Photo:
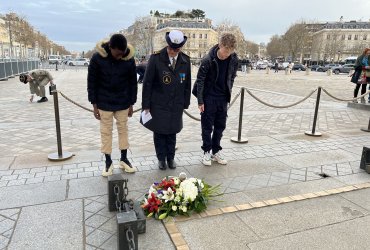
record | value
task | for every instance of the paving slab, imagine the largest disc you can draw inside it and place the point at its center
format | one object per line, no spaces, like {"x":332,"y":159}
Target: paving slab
{"x":353,"y":234}
{"x":292,"y":189}
{"x":217,"y":232}
{"x":358,"y":197}
{"x":317,"y":158}
{"x":237,"y":168}
{"x":299,"y":216}
{"x":25,"y":195}
{"x":5,"y":162}
{"x":50,"y":226}
{"x":86,"y":187}
{"x":354,"y":178}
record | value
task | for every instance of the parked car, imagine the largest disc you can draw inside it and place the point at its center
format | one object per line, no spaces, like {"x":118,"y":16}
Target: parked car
{"x":79,"y":62}
{"x":54,"y":59}
{"x":262,"y":66}
{"x":326,"y":67}
{"x":299,"y":67}
{"x":346,"y":68}
{"x":314,"y":67}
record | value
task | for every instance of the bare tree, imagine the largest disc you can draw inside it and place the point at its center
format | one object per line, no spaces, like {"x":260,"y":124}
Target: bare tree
{"x":244,"y":47}
{"x":275,"y":48}
{"x":296,"y":39}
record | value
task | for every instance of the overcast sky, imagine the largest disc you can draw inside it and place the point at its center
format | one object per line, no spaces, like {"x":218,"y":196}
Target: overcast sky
{"x":79,"y":24}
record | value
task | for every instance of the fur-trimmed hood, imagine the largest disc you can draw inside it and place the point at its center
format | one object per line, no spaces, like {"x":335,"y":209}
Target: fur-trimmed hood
{"x":102,"y":46}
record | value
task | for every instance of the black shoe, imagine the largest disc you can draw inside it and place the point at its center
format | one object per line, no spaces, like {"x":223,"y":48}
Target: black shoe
{"x":43,"y":99}
{"x":162,"y":165}
{"x":171,"y":164}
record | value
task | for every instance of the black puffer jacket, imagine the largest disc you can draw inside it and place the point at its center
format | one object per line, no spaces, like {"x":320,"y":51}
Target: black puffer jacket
{"x":166,"y":92}
{"x":208,"y":74}
{"x":112,"y":84}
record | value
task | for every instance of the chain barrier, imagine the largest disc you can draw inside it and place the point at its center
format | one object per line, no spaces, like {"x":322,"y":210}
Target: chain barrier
{"x":83,"y":107}
{"x":345,"y":100}
{"x":283,"y":106}
{"x":231,"y":103}
{"x":118,"y":200}
{"x":130,"y":239}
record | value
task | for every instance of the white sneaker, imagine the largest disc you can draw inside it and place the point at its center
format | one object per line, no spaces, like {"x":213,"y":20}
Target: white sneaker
{"x":108,"y":172}
{"x":206,"y":159}
{"x":126,"y":165}
{"x":219,"y":158}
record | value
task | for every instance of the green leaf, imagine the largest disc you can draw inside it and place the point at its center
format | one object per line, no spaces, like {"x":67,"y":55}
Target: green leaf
{"x":162,"y":216}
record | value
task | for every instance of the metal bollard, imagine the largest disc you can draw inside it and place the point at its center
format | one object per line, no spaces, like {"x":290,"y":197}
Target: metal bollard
{"x":365,"y":159}
{"x":268,"y":70}
{"x":329,"y":72}
{"x":313,"y":132}
{"x":60,"y":156}
{"x":56,"y":66}
{"x":239,"y":139}
{"x":286,"y":71}
{"x":127,"y":238}
{"x":114,"y":180}
{"x":249,"y":69}
{"x":308,"y":71}
{"x":368,"y":127}
{"x":141,"y":218}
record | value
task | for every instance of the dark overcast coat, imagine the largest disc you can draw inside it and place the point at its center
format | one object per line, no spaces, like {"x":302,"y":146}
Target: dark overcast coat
{"x":166,"y":92}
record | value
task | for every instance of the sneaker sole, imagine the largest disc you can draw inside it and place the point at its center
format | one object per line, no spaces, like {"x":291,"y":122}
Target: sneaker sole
{"x":219,"y":162}
{"x":207,"y":163}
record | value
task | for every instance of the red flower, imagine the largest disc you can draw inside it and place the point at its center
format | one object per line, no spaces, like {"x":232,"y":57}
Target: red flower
{"x":165,"y":184}
{"x":153,"y":203}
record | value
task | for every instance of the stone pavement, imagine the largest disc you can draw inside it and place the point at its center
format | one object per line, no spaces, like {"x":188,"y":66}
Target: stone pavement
{"x":274,"y":194}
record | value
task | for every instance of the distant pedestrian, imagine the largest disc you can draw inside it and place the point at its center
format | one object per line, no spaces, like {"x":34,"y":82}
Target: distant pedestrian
{"x":276,"y":67}
{"x":140,"y":70}
{"x":244,"y":66}
{"x":214,"y":84}
{"x":166,"y":93}
{"x":290,"y":66}
{"x":361,"y":76}
{"x":112,"y":90}
{"x":37,"y":80}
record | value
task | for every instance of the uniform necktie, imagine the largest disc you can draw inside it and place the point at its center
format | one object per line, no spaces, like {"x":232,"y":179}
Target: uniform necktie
{"x":173,"y":63}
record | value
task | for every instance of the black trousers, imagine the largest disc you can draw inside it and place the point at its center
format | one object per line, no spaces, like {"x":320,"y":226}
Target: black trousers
{"x":164,"y":146}
{"x":357,"y":88}
{"x":213,"y":121}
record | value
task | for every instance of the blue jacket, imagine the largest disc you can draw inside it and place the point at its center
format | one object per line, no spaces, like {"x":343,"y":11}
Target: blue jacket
{"x":112,"y":84}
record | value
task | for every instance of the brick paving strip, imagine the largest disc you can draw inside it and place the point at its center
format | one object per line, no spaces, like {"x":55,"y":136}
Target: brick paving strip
{"x":180,"y":243}
{"x":146,"y":163}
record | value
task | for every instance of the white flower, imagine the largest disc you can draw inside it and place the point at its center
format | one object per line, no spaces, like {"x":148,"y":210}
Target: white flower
{"x":190,"y":191}
{"x":200,"y":183}
{"x":168,"y":195}
{"x":177,"y":198}
{"x":174,"y":208}
{"x":176,"y":180}
{"x":152,"y":190}
{"x":184,"y":208}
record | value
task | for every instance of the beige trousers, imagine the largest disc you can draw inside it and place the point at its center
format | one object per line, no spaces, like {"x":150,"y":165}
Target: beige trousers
{"x":106,"y":129}
{"x":37,"y":89}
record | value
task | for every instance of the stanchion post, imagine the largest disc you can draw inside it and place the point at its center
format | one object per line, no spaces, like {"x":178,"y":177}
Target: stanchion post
{"x":313,"y":132}
{"x":368,"y":127}
{"x":239,"y":139}
{"x":60,"y":155}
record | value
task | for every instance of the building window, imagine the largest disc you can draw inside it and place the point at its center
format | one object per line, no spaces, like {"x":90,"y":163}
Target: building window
{"x":349,"y":37}
{"x":356,"y":37}
{"x":205,"y":36}
{"x":200,"y":36}
{"x":343,"y":37}
{"x":365,"y":37}
{"x":193,"y":35}
{"x":328,"y":37}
